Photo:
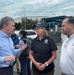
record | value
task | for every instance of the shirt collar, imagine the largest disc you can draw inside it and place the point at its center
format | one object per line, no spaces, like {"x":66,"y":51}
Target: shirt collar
{"x":44,"y":37}
{"x":71,"y":36}
{"x":4,"y":34}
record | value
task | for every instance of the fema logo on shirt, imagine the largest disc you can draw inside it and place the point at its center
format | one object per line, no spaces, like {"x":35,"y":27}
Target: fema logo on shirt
{"x":46,"y":41}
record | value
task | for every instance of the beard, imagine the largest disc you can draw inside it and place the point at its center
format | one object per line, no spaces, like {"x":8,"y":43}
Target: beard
{"x":65,"y":32}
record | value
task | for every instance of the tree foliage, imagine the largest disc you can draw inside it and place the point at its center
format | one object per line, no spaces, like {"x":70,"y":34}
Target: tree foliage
{"x":26,"y":24}
{"x":18,"y":26}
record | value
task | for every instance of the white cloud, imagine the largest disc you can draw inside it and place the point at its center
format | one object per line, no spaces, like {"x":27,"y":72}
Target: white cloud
{"x":16,"y":8}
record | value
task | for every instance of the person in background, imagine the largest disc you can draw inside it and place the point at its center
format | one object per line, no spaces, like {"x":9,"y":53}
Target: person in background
{"x":24,"y":57}
{"x":7,"y":51}
{"x":67,"y":50}
{"x":42,"y":52}
{"x":15,"y":39}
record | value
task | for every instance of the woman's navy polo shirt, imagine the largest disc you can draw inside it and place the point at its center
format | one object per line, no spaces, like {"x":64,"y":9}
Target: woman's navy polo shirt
{"x":42,"y":52}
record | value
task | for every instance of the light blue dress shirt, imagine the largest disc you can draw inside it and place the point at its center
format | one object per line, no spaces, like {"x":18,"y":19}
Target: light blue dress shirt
{"x":21,"y":43}
{"x":6,"y":49}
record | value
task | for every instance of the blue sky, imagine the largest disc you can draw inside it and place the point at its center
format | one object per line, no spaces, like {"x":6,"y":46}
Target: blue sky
{"x":19,"y":8}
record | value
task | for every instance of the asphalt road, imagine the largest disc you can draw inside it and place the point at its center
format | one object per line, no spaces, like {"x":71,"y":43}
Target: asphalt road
{"x":57,"y":69}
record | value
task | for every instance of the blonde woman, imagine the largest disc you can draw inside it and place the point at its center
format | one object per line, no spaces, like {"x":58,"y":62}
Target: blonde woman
{"x":43,"y":52}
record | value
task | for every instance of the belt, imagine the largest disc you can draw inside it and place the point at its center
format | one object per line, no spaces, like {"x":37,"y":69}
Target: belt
{"x":5,"y":67}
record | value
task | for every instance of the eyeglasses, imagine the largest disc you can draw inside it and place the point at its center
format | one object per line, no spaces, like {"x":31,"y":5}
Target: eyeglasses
{"x":37,"y":28}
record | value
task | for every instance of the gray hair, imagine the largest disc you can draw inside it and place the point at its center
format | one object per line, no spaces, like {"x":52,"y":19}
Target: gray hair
{"x":5,"y":20}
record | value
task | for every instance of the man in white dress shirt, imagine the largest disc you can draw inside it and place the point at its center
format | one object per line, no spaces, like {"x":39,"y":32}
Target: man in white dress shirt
{"x":67,"y":50}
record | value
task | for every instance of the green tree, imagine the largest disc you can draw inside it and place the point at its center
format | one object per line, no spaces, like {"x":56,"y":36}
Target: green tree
{"x":18,"y":26}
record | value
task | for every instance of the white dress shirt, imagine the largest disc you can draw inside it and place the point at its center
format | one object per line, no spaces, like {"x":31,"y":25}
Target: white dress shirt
{"x":67,"y":56}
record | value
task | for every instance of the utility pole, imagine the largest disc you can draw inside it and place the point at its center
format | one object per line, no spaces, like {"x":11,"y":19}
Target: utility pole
{"x":25,"y":18}
{"x":52,"y":13}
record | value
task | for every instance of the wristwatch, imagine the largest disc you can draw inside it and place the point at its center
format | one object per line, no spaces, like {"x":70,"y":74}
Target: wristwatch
{"x":46,"y":64}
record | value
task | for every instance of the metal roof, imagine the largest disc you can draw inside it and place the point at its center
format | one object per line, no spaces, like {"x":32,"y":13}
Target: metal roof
{"x":56,"y":18}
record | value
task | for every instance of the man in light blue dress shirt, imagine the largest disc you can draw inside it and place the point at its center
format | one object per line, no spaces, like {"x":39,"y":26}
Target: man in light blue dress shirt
{"x":7,"y":51}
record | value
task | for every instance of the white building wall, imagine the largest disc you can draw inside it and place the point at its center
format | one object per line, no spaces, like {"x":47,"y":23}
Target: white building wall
{"x":30,"y":17}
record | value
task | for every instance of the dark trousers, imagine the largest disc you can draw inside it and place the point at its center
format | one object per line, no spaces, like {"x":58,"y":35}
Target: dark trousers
{"x":6,"y":71}
{"x":36,"y":73}
{"x":25,"y":66}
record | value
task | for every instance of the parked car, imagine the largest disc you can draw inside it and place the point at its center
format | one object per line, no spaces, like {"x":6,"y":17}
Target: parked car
{"x":31,"y":34}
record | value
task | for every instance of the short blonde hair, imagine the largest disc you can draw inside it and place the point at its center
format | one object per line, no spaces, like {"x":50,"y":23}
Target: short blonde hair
{"x":45,"y":33}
